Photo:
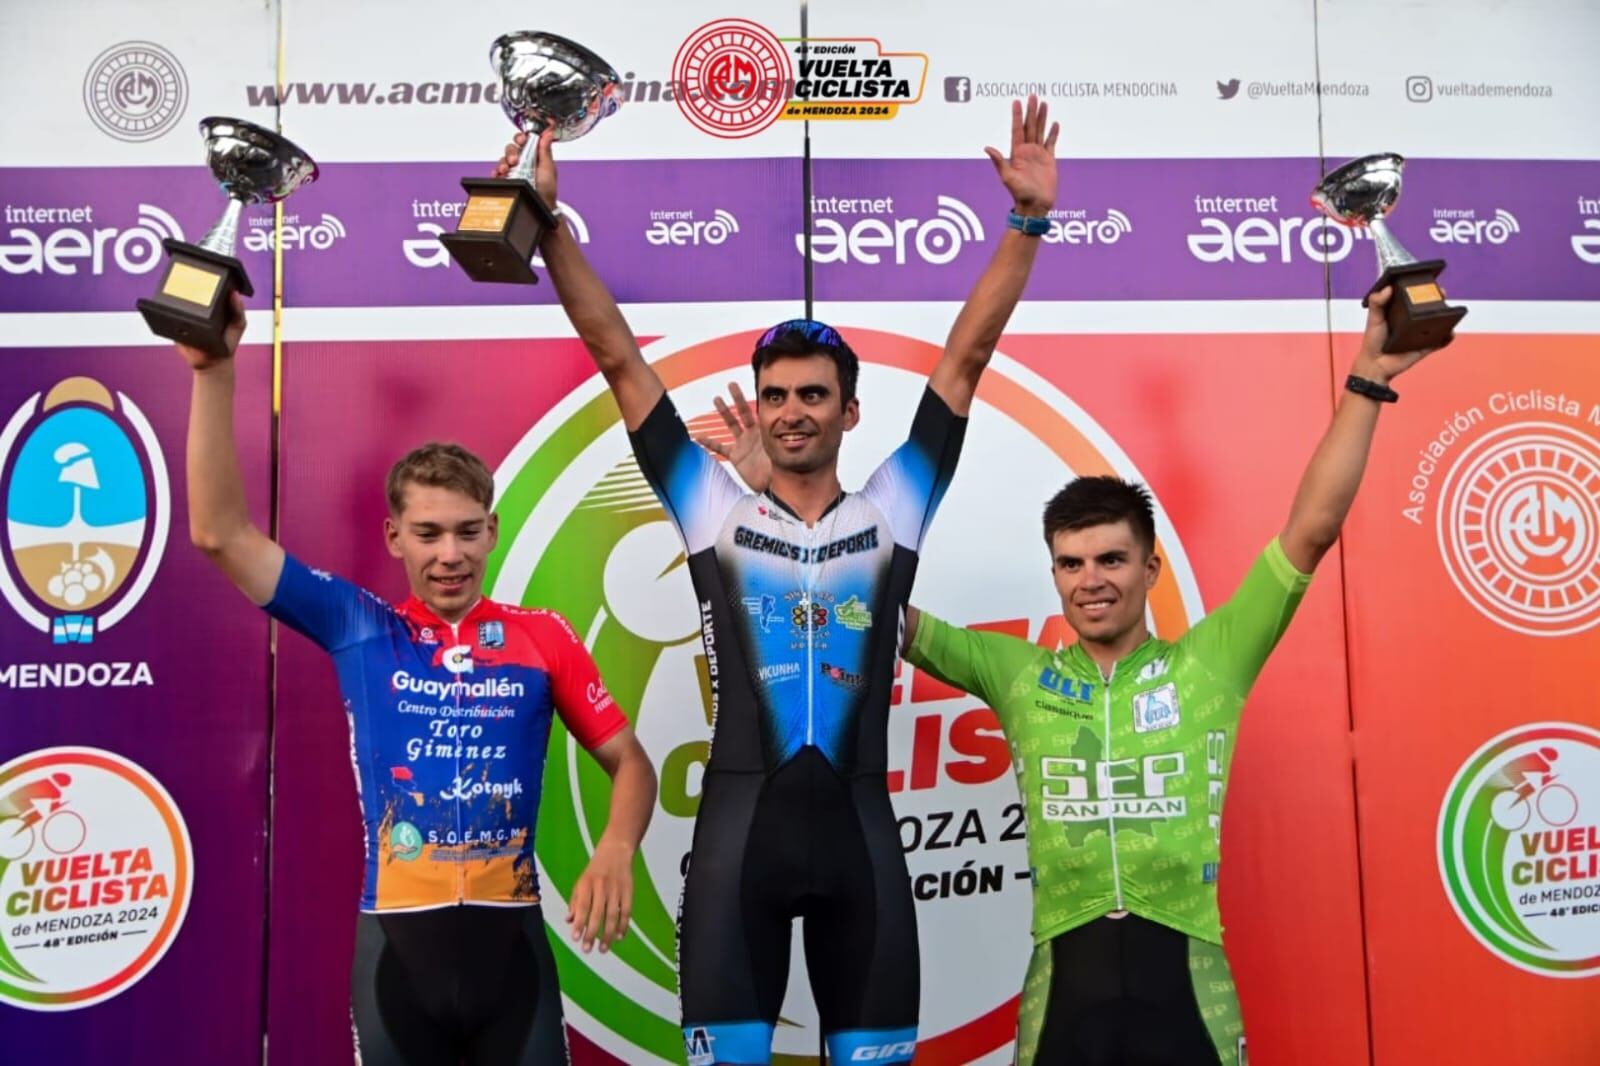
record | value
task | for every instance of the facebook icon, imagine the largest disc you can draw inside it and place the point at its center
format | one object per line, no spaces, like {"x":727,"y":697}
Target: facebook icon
{"x":957,"y":90}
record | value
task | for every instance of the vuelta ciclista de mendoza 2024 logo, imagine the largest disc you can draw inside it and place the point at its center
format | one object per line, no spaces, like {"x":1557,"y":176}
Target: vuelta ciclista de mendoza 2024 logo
{"x":1519,"y":847}
{"x":582,"y":533}
{"x":95,"y":877}
{"x":1519,"y":528}
{"x":135,"y":91}
{"x":87,"y":505}
{"x":734,"y":78}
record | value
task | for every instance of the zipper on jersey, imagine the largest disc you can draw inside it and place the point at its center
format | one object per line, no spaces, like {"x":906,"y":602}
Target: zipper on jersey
{"x":461,"y":867}
{"x":1111,"y":817}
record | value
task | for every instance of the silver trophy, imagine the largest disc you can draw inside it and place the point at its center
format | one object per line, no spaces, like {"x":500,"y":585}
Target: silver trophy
{"x":545,"y":82}
{"x":1360,"y":193}
{"x":254,"y":166}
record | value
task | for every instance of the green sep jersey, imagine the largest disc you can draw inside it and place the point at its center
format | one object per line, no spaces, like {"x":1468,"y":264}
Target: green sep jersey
{"x":1122,"y":779}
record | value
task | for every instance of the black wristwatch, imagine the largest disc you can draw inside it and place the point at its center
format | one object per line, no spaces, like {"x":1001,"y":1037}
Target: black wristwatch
{"x":1370,"y":389}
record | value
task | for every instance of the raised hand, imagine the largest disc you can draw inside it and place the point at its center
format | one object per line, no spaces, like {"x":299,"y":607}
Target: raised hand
{"x":544,"y":169}
{"x":1372,"y":363}
{"x":203,"y":360}
{"x":746,"y":453}
{"x":1029,"y":172}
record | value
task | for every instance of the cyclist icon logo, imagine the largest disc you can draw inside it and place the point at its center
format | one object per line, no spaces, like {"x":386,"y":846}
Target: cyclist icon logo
{"x":1530,"y":787}
{"x":38,"y":813}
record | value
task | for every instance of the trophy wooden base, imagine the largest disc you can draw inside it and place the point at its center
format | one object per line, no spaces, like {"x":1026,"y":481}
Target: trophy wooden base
{"x":1418,"y":316}
{"x":190,"y":305}
{"x":499,"y":231}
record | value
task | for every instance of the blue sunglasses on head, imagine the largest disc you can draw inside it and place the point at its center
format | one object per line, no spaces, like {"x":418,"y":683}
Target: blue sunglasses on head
{"x":809,"y":328}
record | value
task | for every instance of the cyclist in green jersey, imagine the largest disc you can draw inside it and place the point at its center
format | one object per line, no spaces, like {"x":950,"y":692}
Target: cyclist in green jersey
{"x":1122,"y":742}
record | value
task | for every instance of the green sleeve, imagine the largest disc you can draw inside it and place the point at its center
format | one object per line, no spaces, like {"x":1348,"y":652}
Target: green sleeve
{"x":983,"y":664}
{"x":1237,"y":637}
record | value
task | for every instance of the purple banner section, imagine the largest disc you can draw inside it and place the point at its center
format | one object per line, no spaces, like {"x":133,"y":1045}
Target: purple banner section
{"x":116,"y":634}
{"x":658,"y":231}
{"x":89,"y":239}
{"x":1508,"y":229}
{"x":1196,"y":229}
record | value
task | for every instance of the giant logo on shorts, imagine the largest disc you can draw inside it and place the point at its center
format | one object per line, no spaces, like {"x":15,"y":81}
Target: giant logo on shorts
{"x":1519,"y":528}
{"x":1519,"y":847}
{"x":95,"y":873}
{"x":87,"y":506}
{"x":583,"y":533}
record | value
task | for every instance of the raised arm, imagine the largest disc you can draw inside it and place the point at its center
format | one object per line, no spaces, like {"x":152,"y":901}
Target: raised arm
{"x":219,"y":516}
{"x":1029,"y":174}
{"x":1329,"y":484}
{"x":588,"y":303}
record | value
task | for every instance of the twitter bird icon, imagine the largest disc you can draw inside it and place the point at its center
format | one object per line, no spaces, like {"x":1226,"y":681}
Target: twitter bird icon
{"x":1227,"y":90}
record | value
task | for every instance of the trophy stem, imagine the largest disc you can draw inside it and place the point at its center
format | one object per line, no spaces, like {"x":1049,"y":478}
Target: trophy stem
{"x":225,"y":234}
{"x":1391,"y":252}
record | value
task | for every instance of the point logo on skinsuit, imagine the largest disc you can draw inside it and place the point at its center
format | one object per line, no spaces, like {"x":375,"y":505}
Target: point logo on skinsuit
{"x":1519,"y":847}
{"x":135,"y":91}
{"x":87,"y":506}
{"x":1519,"y":528}
{"x":134,"y":250}
{"x":95,"y":876}
{"x":427,"y":252}
{"x":871,"y":240}
{"x":583,"y":534}
{"x":733,"y":78}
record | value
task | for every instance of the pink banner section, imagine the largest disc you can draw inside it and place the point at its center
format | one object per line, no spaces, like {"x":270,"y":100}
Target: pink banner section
{"x":134,"y":690}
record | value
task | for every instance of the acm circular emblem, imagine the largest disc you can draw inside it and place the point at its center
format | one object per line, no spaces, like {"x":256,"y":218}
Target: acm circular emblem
{"x":135,"y":91}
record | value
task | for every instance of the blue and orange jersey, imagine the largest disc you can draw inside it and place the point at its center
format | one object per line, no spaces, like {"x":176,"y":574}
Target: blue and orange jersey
{"x":448,"y":729}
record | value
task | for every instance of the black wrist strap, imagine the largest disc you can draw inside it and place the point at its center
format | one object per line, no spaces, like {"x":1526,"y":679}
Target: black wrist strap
{"x":1370,"y":389}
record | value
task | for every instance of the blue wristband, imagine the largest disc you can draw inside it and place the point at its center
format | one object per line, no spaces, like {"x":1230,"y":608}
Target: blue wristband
{"x":1027,"y":225}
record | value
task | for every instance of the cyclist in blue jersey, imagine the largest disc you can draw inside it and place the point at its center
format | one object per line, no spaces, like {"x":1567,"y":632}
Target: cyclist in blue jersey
{"x":802,"y":589}
{"x":449,"y":698}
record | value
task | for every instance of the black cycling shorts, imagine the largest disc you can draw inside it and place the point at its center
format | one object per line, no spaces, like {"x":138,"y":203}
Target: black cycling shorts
{"x":802,"y":842}
{"x":456,"y":986}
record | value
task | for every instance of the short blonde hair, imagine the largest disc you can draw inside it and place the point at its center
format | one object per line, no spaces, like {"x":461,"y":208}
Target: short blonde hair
{"x":443,"y":465}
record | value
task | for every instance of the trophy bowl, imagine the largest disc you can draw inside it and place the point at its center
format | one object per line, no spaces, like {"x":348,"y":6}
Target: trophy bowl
{"x":254,"y":164}
{"x":548,"y":81}
{"x":1361,"y":190}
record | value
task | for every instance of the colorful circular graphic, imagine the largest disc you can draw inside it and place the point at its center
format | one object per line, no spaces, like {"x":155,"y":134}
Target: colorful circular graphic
{"x":582,"y":533}
{"x":87,"y":506}
{"x":1519,"y":526}
{"x":1519,"y":847}
{"x":96,"y":873}
{"x":135,"y":91}
{"x":732,"y":78}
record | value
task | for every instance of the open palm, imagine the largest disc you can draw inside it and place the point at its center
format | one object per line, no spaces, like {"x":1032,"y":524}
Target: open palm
{"x":1029,"y":172}
{"x":746,"y":452}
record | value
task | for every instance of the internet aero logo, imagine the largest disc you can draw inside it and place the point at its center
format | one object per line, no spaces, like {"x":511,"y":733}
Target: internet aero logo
{"x":1519,"y":528}
{"x":135,"y":91}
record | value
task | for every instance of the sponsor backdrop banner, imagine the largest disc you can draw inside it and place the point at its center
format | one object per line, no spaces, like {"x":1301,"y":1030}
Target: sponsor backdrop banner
{"x":1187,"y":325}
{"x":133,"y":752}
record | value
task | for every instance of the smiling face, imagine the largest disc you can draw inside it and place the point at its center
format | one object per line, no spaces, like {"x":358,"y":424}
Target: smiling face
{"x":443,"y":537}
{"x":802,"y":421}
{"x":1104,"y":575}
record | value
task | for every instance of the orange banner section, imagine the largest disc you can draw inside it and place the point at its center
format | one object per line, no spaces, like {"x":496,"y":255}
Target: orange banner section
{"x":1474,"y":590}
